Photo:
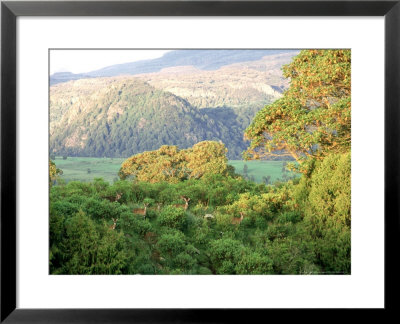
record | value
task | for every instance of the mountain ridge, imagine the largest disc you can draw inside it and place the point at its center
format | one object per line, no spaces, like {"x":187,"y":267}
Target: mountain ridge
{"x":123,"y":115}
{"x":119,"y":117}
{"x":202,"y":59}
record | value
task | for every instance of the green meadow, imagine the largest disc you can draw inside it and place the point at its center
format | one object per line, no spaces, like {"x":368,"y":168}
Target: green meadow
{"x":256,"y":170}
{"x":87,"y":168}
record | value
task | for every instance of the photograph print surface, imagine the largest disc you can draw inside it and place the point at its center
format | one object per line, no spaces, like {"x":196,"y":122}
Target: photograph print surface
{"x":200,"y":161}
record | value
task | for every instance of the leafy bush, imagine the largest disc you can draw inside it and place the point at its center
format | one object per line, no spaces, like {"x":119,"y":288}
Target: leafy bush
{"x":171,"y":243}
{"x":224,"y":254}
{"x":253,"y":263}
{"x":88,"y":248}
{"x":328,"y":213}
{"x":172,"y":217}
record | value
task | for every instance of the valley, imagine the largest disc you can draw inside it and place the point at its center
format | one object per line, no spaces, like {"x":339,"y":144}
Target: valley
{"x":119,"y":116}
{"x":87,"y":169}
{"x":179,"y":165}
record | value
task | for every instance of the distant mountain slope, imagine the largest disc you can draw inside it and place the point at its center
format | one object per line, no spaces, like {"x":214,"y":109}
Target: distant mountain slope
{"x":232,"y":85}
{"x":60,"y":77}
{"x":243,"y":87}
{"x":200,"y":59}
{"x":180,"y":105}
{"x":118,"y":117}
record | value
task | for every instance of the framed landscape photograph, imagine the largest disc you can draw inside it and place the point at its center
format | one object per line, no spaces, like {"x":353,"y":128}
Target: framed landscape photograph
{"x":159,"y":156}
{"x":191,"y":161}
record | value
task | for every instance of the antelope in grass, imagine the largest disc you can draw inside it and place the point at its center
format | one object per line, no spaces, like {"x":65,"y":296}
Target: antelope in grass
{"x":237,"y":220}
{"x":141,"y":211}
{"x":208,"y":216}
{"x":112,"y":227}
{"x":184,"y":206}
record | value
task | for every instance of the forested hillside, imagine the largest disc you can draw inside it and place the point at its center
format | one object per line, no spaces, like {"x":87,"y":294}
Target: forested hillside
{"x":121,"y":116}
{"x":185,"y":211}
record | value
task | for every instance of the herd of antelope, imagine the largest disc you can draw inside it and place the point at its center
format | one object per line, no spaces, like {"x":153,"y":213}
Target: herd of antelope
{"x":185,"y":206}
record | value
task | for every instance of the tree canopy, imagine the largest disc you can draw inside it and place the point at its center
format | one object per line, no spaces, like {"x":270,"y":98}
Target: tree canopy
{"x":170,"y":164}
{"x":54,"y":172}
{"x":299,"y":226}
{"x":313,"y":118}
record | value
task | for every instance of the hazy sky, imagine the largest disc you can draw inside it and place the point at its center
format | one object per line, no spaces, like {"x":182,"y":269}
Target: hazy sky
{"x":80,"y":61}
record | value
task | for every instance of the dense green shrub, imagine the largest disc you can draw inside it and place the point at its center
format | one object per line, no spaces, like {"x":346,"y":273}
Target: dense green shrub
{"x":253,"y":263}
{"x":172,"y":217}
{"x":88,"y":248}
{"x":300,"y":227}
{"x":328,"y":212}
{"x":225,"y":254}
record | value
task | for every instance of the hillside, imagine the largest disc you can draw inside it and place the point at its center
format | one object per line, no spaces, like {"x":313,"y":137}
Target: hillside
{"x":60,"y":77}
{"x":118,"y":117}
{"x":244,"y":88}
{"x":180,"y":105}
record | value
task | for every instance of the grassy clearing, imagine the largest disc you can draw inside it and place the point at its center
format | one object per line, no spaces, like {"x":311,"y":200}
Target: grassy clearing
{"x":86,"y":168}
{"x":260,"y":169}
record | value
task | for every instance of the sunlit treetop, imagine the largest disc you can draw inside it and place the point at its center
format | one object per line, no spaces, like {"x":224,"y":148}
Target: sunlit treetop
{"x":170,"y":164}
{"x":54,"y":172}
{"x":313,"y":118}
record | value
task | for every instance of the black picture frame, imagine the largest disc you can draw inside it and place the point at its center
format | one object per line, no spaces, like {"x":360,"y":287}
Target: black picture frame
{"x":10,"y":10}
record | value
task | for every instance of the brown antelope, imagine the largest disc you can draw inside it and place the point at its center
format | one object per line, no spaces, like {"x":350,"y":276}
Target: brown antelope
{"x":159,"y":206}
{"x":150,"y":237}
{"x":185,"y":205}
{"x":116,"y":198}
{"x":141,"y":211}
{"x":115,"y":223}
{"x":236,"y":220}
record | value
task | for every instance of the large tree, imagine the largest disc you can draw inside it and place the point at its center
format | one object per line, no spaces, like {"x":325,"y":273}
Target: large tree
{"x":170,"y":164}
{"x":313,"y":117}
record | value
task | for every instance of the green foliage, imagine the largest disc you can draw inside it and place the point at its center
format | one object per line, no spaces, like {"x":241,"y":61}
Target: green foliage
{"x":88,"y":248}
{"x":172,"y":217}
{"x":75,"y":169}
{"x":292,"y":255}
{"x":313,"y":118}
{"x":54,"y":172}
{"x":103,"y":209}
{"x":289,"y":217}
{"x":291,"y":226}
{"x":328,"y":212}
{"x":224,"y":254}
{"x":171,"y":243}
{"x":125,"y":116}
{"x":254,"y":263}
{"x":173,"y":165}
{"x":331,"y":190}
{"x":132,"y":225}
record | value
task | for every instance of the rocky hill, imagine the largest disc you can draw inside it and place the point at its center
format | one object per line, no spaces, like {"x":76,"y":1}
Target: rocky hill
{"x":181,"y":105}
